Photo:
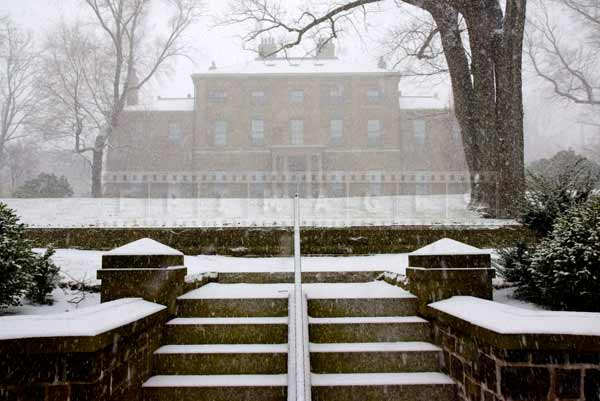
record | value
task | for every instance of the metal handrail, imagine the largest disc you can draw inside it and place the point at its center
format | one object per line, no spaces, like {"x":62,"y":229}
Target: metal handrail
{"x":301,"y":361}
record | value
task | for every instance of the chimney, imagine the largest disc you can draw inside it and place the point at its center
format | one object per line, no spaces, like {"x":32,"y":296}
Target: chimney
{"x":267,"y":48}
{"x":325,"y":48}
{"x":213,"y":66}
{"x":381,"y":64}
{"x":133,"y":95}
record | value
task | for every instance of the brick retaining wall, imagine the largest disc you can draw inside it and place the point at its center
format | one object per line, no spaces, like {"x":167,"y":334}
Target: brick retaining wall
{"x":279,"y":241}
{"x":110,"y":366}
{"x":492,"y":367}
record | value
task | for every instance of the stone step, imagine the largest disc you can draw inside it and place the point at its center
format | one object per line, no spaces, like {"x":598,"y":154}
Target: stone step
{"x":423,"y":386}
{"x":368,"y":329}
{"x":269,"y":330}
{"x":394,"y":357}
{"x":372,"y":299}
{"x":270,"y":277}
{"x":221,"y":359}
{"x":364,"y":307}
{"x":216,"y":388}
{"x":234,"y":300}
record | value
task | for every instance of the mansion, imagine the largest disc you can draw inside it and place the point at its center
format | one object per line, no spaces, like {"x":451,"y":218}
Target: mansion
{"x":274,"y":127}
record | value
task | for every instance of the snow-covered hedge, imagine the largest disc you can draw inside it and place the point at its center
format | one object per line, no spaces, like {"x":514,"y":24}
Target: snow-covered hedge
{"x":22,"y":271}
{"x":563,"y":272}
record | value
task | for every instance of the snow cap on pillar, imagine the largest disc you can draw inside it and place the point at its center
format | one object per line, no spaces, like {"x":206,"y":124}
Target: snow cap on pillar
{"x":447,"y":253}
{"x":144,"y":253}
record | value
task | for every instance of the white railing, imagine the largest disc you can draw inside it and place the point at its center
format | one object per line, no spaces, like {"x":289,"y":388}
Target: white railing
{"x":299,"y":388}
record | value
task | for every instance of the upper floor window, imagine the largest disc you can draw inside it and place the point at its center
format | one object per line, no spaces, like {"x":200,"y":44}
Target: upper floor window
{"x":258,"y":97}
{"x":296,"y":96}
{"x":336,"y":131}
{"x":175,"y":132}
{"x":374,"y":95}
{"x":217,"y":95}
{"x":374,"y":132}
{"x":420,"y":131}
{"x":335,"y":94}
{"x":297,"y":132}
{"x":257,"y":133}
{"x":220,"y":133}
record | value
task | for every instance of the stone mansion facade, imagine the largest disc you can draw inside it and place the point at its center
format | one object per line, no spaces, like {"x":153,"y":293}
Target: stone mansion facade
{"x":275,"y":127}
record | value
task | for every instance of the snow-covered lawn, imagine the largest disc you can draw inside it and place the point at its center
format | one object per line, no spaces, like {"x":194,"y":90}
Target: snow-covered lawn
{"x":126,"y":212}
{"x":81,"y":266}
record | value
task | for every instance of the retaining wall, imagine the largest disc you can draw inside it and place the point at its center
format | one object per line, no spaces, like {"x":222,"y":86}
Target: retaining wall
{"x":279,"y":241}
{"x":492,"y":366}
{"x":110,"y":365}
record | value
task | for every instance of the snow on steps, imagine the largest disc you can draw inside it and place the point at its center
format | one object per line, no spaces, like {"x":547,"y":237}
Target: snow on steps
{"x":221,"y":359}
{"x":382,"y":357}
{"x":235,"y":300}
{"x":368,"y":329}
{"x":380,"y":379}
{"x":421,"y":386}
{"x":255,"y":330}
{"x":367,"y":346}
{"x":216,"y":388}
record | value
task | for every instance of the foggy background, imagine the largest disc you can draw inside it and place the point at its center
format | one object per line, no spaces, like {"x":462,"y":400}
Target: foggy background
{"x":551,"y":124}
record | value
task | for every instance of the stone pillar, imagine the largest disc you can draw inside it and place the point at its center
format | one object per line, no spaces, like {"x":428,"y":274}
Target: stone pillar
{"x":447,"y":268}
{"x":146,"y":269}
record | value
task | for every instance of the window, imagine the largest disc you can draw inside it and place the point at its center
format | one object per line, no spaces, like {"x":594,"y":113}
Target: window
{"x":456,"y":133}
{"x":336,"y":131}
{"x":217,"y":96}
{"x":373,"y":95}
{"x":175,"y":132}
{"x":419,"y":128}
{"x":297,"y":132}
{"x":296,"y":97}
{"x":335,"y":94}
{"x":374,"y":132}
{"x":220,"y":133}
{"x":258,"y":97}
{"x":257,"y":135}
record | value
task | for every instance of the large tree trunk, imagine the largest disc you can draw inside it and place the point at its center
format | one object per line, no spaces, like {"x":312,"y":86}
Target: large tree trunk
{"x":97,"y":166}
{"x":488,"y":98}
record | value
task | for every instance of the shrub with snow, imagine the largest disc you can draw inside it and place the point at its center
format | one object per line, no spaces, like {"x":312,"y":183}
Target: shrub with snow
{"x":565,"y":268}
{"x":550,"y":195}
{"x":22,"y":271}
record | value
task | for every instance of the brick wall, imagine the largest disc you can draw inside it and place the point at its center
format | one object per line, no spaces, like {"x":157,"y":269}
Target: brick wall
{"x":487,"y":372}
{"x":278,"y":241}
{"x":111,"y":366}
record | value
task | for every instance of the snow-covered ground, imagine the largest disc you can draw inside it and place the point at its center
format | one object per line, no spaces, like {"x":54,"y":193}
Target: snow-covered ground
{"x":81,"y":266}
{"x":336,"y":212}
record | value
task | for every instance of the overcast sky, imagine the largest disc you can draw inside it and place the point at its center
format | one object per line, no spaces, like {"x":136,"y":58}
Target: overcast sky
{"x":550,"y":125}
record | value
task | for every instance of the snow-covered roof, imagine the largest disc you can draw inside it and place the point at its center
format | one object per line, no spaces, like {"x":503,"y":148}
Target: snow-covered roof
{"x":297,"y":66}
{"x":506,"y":319}
{"x":165,"y":104}
{"x":144,"y":246}
{"x":89,"y":321}
{"x":422,"y":103}
{"x":447,"y":246}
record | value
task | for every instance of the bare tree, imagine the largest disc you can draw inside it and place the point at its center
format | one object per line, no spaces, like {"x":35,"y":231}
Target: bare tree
{"x":19,"y":100}
{"x":569,"y":65}
{"x":484,"y":67}
{"x":95,"y":66}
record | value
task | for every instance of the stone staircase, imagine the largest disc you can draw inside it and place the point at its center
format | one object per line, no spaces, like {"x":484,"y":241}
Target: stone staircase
{"x":367,"y":344}
{"x":230,"y":343}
